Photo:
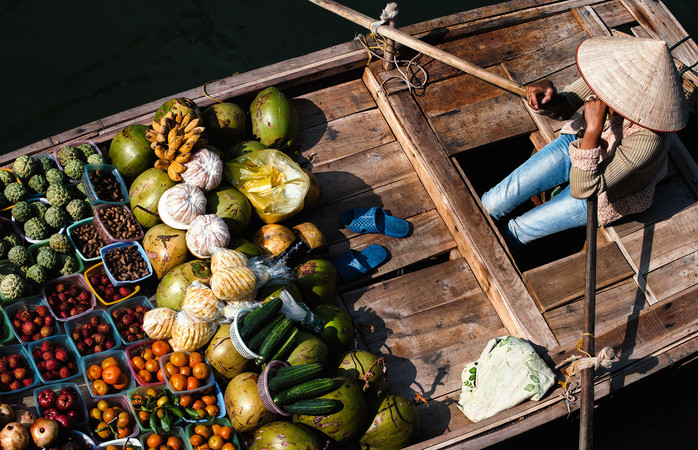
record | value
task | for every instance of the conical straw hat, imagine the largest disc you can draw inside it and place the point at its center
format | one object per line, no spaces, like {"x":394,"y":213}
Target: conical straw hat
{"x":636,"y":78}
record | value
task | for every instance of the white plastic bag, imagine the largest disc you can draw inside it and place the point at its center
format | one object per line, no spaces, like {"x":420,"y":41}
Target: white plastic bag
{"x":508,"y":372}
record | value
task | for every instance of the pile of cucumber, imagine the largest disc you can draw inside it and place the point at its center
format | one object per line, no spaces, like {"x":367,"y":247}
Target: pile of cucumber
{"x":268,"y":333}
{"x":296,"y":389}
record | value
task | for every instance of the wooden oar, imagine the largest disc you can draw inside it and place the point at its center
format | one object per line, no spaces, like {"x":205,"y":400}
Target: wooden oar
{"x":587,"y":402}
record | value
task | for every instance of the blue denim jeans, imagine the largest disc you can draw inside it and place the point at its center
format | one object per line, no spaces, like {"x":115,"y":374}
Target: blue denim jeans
{"x":546,"y":169}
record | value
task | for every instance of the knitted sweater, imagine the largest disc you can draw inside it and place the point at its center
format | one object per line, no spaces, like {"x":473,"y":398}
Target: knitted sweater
{"x":623,"y":170}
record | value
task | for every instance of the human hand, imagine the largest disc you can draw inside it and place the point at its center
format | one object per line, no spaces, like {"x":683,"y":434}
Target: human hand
{"x":594,"y":113}
{"x":541,"y":88}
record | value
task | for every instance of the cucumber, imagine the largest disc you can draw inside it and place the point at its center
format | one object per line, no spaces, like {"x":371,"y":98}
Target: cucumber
{"x":308,"y":389}
{"x":256,"y":341}
{"x":251,"y":315}
{"x":267,"y":312}
{"x":314,"y":406}
{"x":287,"y":346}
{"x":285,"y":377}
{"x":273,"y":340}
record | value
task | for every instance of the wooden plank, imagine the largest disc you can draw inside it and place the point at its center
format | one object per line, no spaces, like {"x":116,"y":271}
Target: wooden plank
{"x":429,"y":238}
{"x":562,"y":281}
{"x":345,"y":136}
{"x":658,"y":244}
{"x":334,"y":102}
{"x":674,"y":277}
{"x":613,"y":14}
{"x":684,"y":161}
{"x":404,"y":198}
{"x":591,"y":21}
{"x":464,"y":217}
{"x":359,"y":172}
{"x":671,"y":196}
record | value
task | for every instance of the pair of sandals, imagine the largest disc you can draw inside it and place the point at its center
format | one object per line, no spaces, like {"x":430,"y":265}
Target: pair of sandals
{"x":353,"y":264}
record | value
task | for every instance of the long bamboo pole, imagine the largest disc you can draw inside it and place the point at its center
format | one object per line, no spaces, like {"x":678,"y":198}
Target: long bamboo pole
{"x":586,"y":407}
{"x":422,"y":47}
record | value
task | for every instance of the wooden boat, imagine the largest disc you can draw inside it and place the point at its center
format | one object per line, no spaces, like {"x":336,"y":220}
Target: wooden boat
{"x":427,"y":155}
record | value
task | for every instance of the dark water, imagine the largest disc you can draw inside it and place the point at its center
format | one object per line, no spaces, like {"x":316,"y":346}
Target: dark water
{"x":63,"y":64}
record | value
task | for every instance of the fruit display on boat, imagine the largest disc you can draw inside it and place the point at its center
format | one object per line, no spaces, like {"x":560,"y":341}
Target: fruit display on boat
{"x":130,"y":151}
{"x":173,"y":137}
{"x":226,"y":123}
{"x":274,"y":119}
{"x":166,"y":248}
{"x":230,"y":205}
{"x":145,"y":193}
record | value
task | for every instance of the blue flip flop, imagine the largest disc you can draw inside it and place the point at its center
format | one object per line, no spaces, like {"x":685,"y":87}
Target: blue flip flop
{"x":352,"y":264}
{"x":374,"y":220}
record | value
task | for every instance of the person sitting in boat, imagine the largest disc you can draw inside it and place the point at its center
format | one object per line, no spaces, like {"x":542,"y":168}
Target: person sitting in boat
{"x":616,"y":150}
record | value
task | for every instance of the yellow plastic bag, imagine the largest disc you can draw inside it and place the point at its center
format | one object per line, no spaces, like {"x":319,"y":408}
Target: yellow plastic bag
{"x":273,"y":183}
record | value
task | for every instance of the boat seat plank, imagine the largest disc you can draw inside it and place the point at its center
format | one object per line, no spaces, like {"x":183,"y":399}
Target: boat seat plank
{"x":674,"y":277}
{"x":344,"y":136}
{"x":429,"y":238}
{"x":404,"y":198}
{"x":561,"y":281}
{"x":613,"y":14}
{"x":331,"y":103}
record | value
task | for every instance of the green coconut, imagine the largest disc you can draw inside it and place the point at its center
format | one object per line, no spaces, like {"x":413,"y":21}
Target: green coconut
{"x":338,"y":332}
{"x":222,"y":356}
{"x":317,"y":280}
{"x":395,"y":423}
{"x":245,"y":409}
{"x":347,"y":423}
{"x":173,"y":286}
{"x":166,"y":248}
{"x":145,"y":193}
{"x":232,"y":206}
{"x":308,"y":349}
{"x":274,"y":119}
{"x":183,"y":104}
{"x":283,"y":435}
{"x":366,"y":369}
{"x":130,"y":151}
{"x":225,"y":123}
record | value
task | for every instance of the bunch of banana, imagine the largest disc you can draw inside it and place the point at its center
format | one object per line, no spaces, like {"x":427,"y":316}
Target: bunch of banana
{"x":173,"y":139}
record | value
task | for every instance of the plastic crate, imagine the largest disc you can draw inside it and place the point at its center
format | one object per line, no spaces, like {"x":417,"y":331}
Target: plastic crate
{"x":106,"y":249}
{"x":73,"y":323}
{"x":205,"y":384}
{"x":174,"y":431}
{"x":21,"y":226}
{"x":74,"y":144}
{"x":118,"y":400}
{"x":225,"y":422}
{"x":220,"y":402}
{"x":70,"y":280}
{"x":70,"y":230}
{"x":99,"y":269}
{"x":98,"y":358}
{"x":56,"y":387}
{"x":131,"y":351}
{"x":34,"y":251}
{"x":142,"y":390}
{"x":62,"y":341}
{"x":92,"y":196}
{"x":29,"y":304}
{"x":105,"y":234}
{"x":129,"y":302}
{"x":24,"y":354}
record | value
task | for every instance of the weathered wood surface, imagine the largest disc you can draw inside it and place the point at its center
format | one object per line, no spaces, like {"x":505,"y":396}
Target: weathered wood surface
{"x":562,"y":281}
{"x":463,"y":216}
{"x":331,"y":103}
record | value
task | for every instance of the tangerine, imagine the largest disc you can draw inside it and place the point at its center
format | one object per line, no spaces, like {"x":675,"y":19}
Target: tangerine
{"x":160,"y":376}
{"x":186,"y":370}
{"x":123,"y":432}
{"x":226,"y":431}
{"x":170,"y":369}
{"x":212,"y":410}
{"x":192,"y":383}
{"x":185,"y":401}
{"x":160,"y":348}
{"x":209,"y":400}
{"x":216,"y":428}
{"x":138,"y":362}
{"x":94,"y":372}
{"x":121,"y":382}
{"x":174,"y":443}
{"x":199,"y":405}
{"x":104,"y":430}
{"x":124,"y":419}
{"x":102,"y":405}
{"x":148,"y":354}
{"x":229,"y":446}
{"x":179,"y":359}
{"x":203,"y":431}
{"x":143,"y":416}
{"x":108,"y":415}
{"x":152,"y":366}
{"x":100,"y":387}
{"x":195,"y":358}
{"x":215,"y":442}
{"x":201,"y":371}
{"x":110,"y":361}
{"x":178,"y":382}
{"x":111,"y":374}
{"x":145,"y":376}
{"x":154,"y":440}
{"x":196,"y":440}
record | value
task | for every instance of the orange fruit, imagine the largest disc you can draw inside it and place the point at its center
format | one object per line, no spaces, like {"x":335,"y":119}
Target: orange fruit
{"x":136,"y":399}
{"x":178,"y":382}
{"x":170,"y":369}
{"x":179,"y":359}
{"x":94,"y":372}
{"x":203,"y":431}
{"x":215,"y":442}
{"x":164,"y":447}
{"x":152,"y":366}
{"x":143,"y":416}
{"x":212,"y":410}
{"x":145,"y":376}
{"x":104,"y":434}
{"x":198,"y":404}
{"x":154,"y":440}
{"x":152,"y":393}
{"x":108,"y":415}
{"x":160,"y":376}
{"x":229,"y":446}
{"x":110,"y":361}
{"x":185,"y":401}
{"x":148,"y":354}
{"x":100,"y":387}
{"x":138,"y":362}
{"x":123,"y":432}
{"x":192,"y":383}
{"x":174,"y":443}
{"x":226,"y":431}
{"x":124,"y":420}
{"x":196,"y":440}
{"x":122,"y":381}
{"x":201,"y":371}
{"x":195,"y":358}
{"x":216,"y":428}
{"x":160,"y":348}
{"x":111,"y":374}
{"x":186,"y":371}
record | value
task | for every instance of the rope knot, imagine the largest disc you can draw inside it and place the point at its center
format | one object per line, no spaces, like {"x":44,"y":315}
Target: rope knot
{"x":388,"y":13}
{"x":605,"y":358}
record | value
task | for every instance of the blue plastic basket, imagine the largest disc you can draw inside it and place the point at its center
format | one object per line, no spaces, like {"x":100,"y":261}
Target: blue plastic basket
{"x":28,"y":304}
{"x":220,"y":402}
{"x":98,"y":358}
{"x":56,"y":387}
{"x":65,"y":343}
{"x":106,"y":249}
{"x":69,"y":280}
{"x":113,"y":400}
{"x":24,"y":354}
{"x":205,"y":384}
{"x":72,"y":323}
{"x":77,"y":250}
{"x":130,"y":302}
{"x":90,"y":189}
{"x":224,"y":422}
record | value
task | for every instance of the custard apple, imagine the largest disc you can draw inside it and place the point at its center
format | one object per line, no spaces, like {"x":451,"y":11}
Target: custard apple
{"x":36,"y":229}
{"x":36,"y":274}
{"x":68,"y":264}
{"x":60,"y":243}
{"x":12,"y":239}
{"x":22,"y":211}
{"x":87,"y":150}
{"x":19,"y":256}
{"x":57,"y":195}
{"x":37,"y":184}
{"x":25,"y":166}
{"x":96,"y":159}
{"x":45,"y":163}
{"x":12,"y":287}
{"x":6,"y":177}
{"x":47,"y":258}
{"x":55,"y":217}
{"x":39,"y":208}
{"x":74,"y":169}
{"x":56,"y":176}
{"x":67,"y":153}
{"x":15,"y":192}
{"x":77,"y":209}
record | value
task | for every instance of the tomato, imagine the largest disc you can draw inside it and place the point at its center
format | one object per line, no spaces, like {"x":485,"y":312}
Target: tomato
{"x":160,"y":348}
{"x":111,"y":374}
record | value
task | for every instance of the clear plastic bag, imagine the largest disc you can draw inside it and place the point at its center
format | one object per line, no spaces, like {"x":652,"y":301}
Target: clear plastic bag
{"x":200,"y":303}
{"x":273,"y":183}
{"x":225,"y":257}
{"x":189,"y":334}
{"x":158,"y":322}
